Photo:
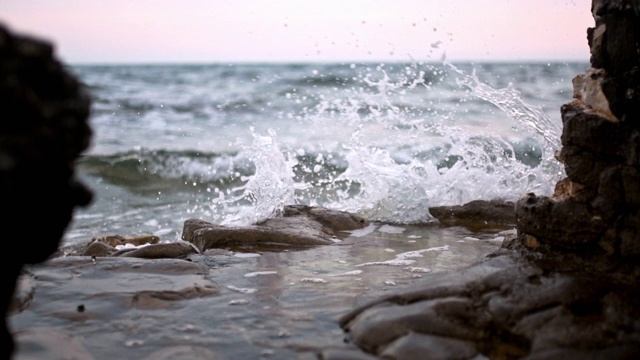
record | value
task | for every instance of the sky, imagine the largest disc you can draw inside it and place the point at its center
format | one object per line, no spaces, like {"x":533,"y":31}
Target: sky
{"x":212,"y":31}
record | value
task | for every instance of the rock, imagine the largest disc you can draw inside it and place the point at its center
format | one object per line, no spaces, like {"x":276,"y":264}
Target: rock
{"x":340,"y":354}
{"x":142,"y":283}
{"x":175,"y":250}
{"x":332,"y":220}
{"x":115,"y":240}
{"x":567,"y":224}
{"x":600,"y":139}
{"x":502,"y":307}
{"x":435,"y":347}
{"x":587,"y":91}
{"x":44,"y":129}
{"x":99,"y":249}
{"x":300,"y":226}
{"x":476,"y":214}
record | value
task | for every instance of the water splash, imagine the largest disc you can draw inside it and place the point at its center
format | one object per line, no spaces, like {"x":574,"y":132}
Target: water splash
{"x":401,"y":159}
{"x":267,"y":191}
{"x":529,"y":119}
{"x":388,"y":191}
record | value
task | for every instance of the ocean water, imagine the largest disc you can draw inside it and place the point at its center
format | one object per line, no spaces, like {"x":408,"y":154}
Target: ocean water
{"x":234,"y":143}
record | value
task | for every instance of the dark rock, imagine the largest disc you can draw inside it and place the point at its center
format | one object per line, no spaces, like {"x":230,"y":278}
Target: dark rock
{"x":591,"y":132}
{"x":143,"y":283}
{"x":631,"y":186}
{"x":300,"y":226}
{"x":567,"y":223}
{"x":340,"y":354}
{"x":331,"y":220}
{"x":502,"y":307}
{"x":174,"y":250}
{"x":435,"y":347}
{"x":115,"y":240}
{"x":98,"y":249}
{"x":43,"y":130}
{"x":601,"y":128}
{"x":476,"y":214}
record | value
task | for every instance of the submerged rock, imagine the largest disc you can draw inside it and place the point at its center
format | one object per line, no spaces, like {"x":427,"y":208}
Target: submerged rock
{"x":300,"y":226}
{"x":141,"y":283}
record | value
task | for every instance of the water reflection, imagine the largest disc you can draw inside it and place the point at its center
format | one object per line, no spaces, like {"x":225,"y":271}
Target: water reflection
{"x":271,"y":303}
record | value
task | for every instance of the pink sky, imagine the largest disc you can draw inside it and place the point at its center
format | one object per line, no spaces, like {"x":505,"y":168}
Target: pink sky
{"x":108,"y":31}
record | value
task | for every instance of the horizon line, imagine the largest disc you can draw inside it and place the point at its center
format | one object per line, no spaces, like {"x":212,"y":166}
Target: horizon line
{"x":311,"y":62}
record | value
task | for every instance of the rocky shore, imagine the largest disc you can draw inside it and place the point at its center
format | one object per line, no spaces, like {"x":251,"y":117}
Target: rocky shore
{"x":107,"y":291}
{"x":564,"y":286}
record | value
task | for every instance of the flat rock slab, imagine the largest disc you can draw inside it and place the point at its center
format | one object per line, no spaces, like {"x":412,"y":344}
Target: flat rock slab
{"x":504,"y":307}
{"x":477,"y":214}
{"x":174,"y":250}
{"x":140,"y":283}
{"x":300,"y":226}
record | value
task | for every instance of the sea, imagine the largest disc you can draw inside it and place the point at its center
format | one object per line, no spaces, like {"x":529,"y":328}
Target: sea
{"x":234,"y":143}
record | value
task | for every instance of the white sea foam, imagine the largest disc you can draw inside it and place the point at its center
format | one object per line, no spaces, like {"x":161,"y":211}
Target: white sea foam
{"x":389,"y":229}
{"x":246,"y":255}
{"x":241,"y":290}
{"x":402,"y":258}
{"x":394,"y":262}
{"x":131,"y":246}
{"x":260,"y":273}
{"x":414,"y":269}
{"x":362,"y":232}
{"x":239,"y":302}
{"x":314,"y":280}
{"x":348,"y":273}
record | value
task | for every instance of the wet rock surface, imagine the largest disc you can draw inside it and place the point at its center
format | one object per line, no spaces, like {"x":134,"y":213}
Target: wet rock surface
{"x":505,"y":307}
{"x":477,"y":214}
{"x":596,"y":208}
{"x":230,"y":304}
{"x":300,"y":226}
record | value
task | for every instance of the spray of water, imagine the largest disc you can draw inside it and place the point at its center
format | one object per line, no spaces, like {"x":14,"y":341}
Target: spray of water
{"x":267,"y":191}
{"x":388,"y":178}
{"x":388,"y":191}
{"x":528,"y":118}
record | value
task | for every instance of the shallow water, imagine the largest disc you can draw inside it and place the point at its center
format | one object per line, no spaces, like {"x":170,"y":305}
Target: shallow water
{"x":270,"y":305}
